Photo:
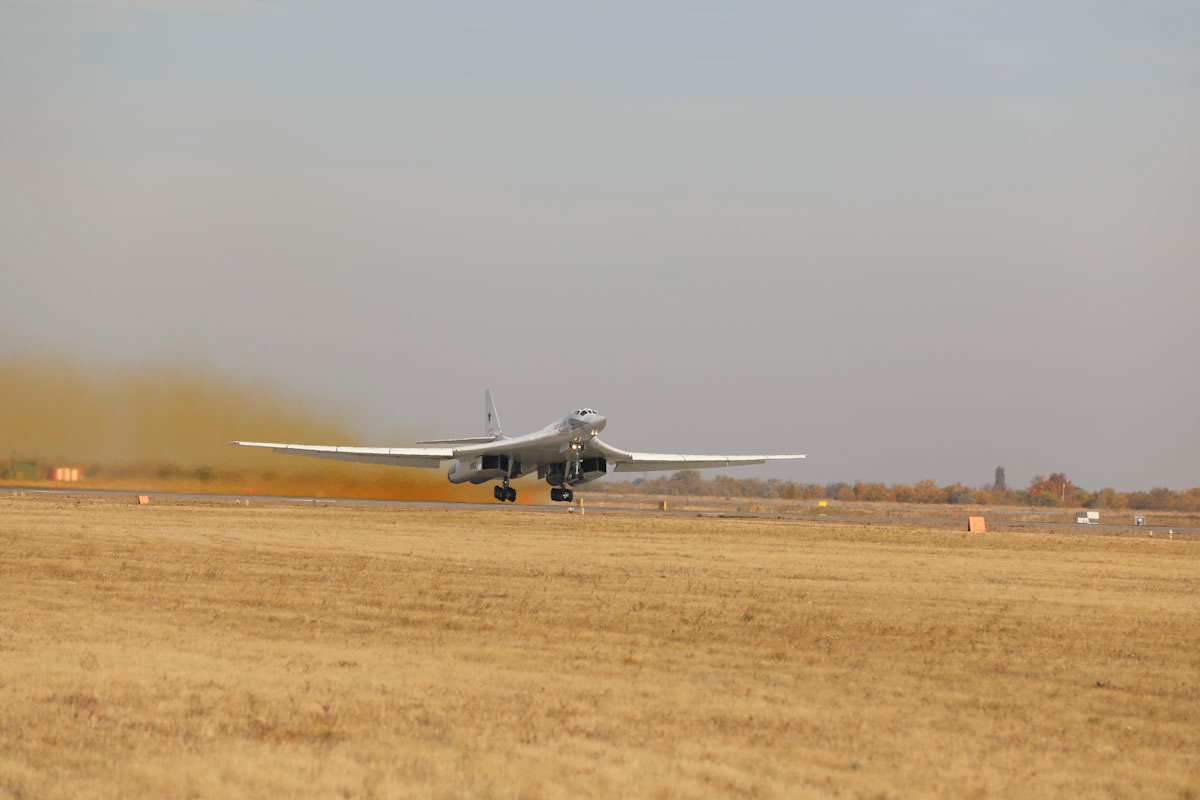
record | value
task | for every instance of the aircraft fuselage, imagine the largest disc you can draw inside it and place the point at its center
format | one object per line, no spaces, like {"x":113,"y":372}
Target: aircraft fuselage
{"x":557,"y":451}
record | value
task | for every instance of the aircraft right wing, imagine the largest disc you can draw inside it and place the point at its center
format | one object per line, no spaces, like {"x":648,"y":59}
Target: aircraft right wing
{"x":393,"y":456}
{"x":624,"y":461}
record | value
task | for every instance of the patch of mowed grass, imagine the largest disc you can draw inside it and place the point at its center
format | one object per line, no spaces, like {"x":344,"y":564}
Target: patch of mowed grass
{"x":229,"y":650}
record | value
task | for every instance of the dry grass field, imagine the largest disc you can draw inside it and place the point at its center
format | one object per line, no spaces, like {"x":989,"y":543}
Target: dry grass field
{"x":205,"y":649}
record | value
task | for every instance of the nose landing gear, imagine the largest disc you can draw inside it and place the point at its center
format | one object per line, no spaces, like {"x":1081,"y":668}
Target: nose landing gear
{"x":561,"y":495}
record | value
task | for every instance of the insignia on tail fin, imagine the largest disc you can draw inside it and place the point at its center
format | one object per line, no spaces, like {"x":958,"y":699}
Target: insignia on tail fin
{"x":491,"y":419}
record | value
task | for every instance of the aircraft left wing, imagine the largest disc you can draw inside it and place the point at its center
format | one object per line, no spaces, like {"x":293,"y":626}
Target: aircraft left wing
{"x":393,"y":456}
{"x":624,"y":461}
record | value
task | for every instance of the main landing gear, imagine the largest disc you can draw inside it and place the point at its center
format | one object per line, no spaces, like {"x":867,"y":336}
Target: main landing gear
{"x":573,"y":471}
{"x":505,"y":492}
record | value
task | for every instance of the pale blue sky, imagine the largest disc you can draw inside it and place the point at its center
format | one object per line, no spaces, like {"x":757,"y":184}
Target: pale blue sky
{"x":913,"y":240}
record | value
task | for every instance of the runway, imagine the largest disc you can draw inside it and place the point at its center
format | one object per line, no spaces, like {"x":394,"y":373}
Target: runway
{"x":992,"y":522}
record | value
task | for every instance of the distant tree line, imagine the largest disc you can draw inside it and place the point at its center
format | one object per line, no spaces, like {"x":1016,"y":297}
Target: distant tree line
{"x":1053,"y":491}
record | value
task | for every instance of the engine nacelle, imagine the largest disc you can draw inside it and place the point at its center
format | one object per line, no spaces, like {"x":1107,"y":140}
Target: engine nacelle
{"x":589,"y":470}
{"x":479,"y":470}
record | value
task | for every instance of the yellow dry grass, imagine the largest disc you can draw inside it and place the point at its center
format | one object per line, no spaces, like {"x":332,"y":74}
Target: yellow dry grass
{"x":207,"y":649}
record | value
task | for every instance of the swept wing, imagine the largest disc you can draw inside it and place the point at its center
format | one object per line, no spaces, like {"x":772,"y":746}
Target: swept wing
{"x":394,"y":456}
{"x":625,"y":461}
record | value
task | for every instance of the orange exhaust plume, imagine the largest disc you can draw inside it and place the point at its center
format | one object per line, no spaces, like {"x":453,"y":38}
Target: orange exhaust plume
{"x":165,"y":426}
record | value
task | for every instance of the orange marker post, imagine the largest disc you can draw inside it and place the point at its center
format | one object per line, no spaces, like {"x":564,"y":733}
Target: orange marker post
{"x":976,"y":525}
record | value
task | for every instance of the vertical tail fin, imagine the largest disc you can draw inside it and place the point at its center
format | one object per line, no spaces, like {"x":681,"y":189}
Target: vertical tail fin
{"x":492,"y":419}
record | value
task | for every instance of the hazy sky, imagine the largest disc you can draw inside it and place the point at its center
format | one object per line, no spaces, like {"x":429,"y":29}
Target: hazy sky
{"x":912,"y":240}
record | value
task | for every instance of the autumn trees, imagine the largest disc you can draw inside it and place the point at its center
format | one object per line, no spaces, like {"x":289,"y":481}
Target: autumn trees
{"x":1055,"y":490}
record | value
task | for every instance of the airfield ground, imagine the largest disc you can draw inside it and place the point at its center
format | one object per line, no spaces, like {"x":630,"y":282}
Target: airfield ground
{"x":218,"y":649}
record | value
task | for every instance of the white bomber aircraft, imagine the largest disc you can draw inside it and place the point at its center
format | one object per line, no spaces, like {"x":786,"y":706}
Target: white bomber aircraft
{"x":566,"y":453}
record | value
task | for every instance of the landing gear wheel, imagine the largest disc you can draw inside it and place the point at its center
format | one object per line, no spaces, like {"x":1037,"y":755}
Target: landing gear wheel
{"x":568,"y":495}
{"x":556,"y":494}
{"x":511,"y":494}
{"x":500,"y":493}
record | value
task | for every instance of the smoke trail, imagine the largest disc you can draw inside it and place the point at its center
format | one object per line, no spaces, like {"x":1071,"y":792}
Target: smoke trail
{"x":164,"y":426}
{"x":146,"y":412}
